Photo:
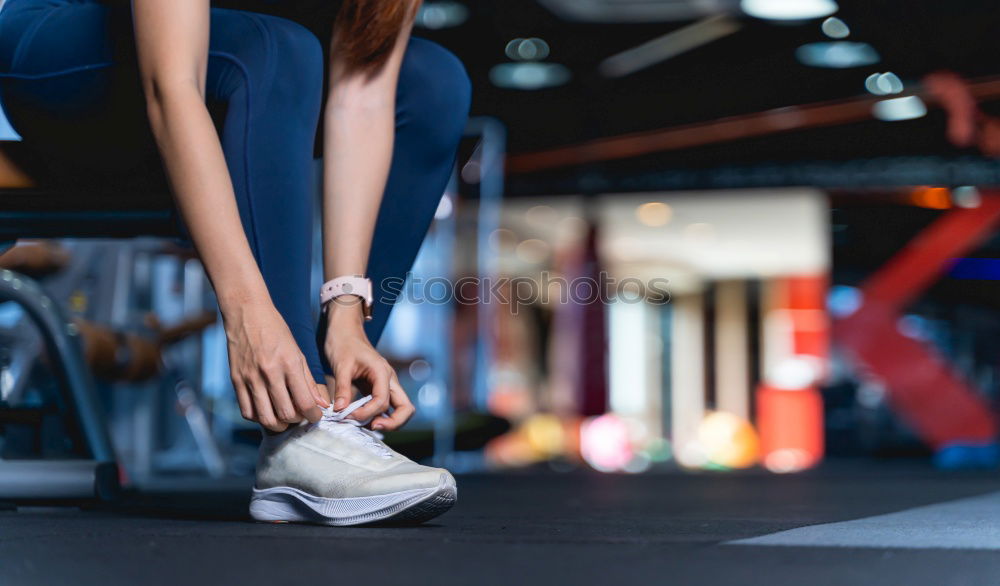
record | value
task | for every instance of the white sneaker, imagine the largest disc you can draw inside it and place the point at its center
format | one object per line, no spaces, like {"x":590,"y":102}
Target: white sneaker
{"x":336,"y":472}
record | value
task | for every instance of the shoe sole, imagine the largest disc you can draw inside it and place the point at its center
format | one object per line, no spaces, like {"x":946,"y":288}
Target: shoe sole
{"x":284,"y":504}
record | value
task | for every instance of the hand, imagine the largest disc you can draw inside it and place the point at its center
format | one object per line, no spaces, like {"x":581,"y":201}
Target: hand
{"x":355,"y":360}
{"x":269,"y":372}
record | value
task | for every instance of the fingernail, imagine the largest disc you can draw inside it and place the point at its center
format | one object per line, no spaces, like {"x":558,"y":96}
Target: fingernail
{"x":339,"y":404}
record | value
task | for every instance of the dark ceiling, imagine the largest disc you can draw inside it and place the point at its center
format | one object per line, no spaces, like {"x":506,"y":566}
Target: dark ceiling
{"x":749,"y":71}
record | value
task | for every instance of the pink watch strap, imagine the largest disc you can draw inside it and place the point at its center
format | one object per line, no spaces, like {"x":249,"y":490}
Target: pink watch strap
{"x":350,"y":285}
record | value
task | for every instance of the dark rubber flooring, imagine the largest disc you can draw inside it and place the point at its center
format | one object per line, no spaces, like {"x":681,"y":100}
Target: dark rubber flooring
{"x":522,"y":528}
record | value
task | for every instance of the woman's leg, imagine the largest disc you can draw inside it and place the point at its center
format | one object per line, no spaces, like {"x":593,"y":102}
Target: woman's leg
{"x":432,"y":105}
{"x":69,"y":72}
{"x":65,"y":85}
{"x":270,"y":73}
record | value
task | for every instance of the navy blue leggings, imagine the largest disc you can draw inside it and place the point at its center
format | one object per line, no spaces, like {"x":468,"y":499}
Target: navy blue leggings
{"x":70,"y":88}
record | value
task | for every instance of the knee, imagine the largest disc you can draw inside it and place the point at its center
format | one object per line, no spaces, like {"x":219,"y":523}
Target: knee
{"x":273,"y":55}
{"x":296,"y":55}
{"x":434,"y":91}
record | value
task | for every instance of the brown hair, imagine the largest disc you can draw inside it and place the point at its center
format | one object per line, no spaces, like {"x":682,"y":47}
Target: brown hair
{"x":366,"y":31}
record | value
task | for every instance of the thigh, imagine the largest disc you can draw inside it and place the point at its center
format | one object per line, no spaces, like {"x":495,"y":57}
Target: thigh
{"x":44,"y":37}
{"x":315,"y":15}
{"x":70,"y":88}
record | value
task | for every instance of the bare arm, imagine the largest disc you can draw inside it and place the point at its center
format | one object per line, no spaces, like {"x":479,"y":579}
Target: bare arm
{"x":358,"y":144}
{"x":173,"y":51}
{"x":269,"y":372}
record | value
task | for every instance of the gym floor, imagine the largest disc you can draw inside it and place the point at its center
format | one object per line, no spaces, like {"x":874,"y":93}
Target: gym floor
{"x":546,"y":528}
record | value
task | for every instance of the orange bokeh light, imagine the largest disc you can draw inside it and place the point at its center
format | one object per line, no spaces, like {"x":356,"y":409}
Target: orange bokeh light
{"x":935,"y":198}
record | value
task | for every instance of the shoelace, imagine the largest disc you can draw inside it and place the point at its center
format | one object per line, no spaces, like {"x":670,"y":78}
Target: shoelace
{"x":337,"y":422}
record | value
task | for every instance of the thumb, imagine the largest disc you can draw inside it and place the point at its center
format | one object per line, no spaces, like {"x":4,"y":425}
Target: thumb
{"x":343,"y":392}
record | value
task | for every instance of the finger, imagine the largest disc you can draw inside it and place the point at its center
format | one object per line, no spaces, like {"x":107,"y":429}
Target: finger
{"x":262,"y":405}
{"x":402,"y":409}
{"x":303,"y":395}
{"x":244,"y":400}
{"x":281,"y":401}
{"x":318,"y":389}
{"x":325,"y":389}
{"x":379,"y":379}
{"x":343,"y":394}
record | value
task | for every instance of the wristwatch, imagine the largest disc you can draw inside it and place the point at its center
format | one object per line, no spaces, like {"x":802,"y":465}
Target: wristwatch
{"x":355,"y":285}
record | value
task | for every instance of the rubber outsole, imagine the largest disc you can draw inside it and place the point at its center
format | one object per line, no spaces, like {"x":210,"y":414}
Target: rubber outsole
{"x":284,"y":504}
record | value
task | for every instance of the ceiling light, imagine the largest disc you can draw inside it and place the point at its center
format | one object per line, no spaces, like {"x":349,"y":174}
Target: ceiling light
{"x":835,"y":28}
{"x":443,"y":14}
{"x":871,"y":84}
{"x":837,"y":54}
{"x":788,"y":9}
{"x":889,"y":83}
{"x":529,"y":75}
{"x":670,"y":45}
{"x":654,"y":214}
{"x":635,"y":11}
{"x":532,"y":49}
{"x":883,"y":84}
{"x":897,"y":109}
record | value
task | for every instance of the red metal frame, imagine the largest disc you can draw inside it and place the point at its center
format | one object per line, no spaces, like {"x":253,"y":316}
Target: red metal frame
{"x":926,"y":391}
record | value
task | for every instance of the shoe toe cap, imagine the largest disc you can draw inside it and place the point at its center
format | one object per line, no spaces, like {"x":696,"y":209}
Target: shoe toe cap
{"x":413,"y":478}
